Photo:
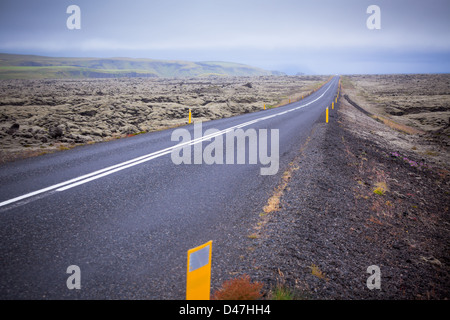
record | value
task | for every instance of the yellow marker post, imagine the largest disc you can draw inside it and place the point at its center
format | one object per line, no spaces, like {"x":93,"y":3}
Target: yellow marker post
{"x":326,"y":116}
{"x":332,"y":105}
{"x":190,"y":116}
{"x":198,"y":280}
{"x":264,"y":106}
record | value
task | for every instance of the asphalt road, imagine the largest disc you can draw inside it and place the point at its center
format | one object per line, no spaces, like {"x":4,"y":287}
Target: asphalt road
{"x":126,"y":214}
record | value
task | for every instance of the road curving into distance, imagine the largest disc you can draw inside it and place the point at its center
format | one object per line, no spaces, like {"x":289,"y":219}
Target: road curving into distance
{"x":126,"y":214}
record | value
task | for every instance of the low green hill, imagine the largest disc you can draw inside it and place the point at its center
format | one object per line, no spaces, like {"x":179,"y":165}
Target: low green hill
{"x":14,"y":66}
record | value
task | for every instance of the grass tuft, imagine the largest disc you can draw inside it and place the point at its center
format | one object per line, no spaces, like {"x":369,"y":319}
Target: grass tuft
{"x":380,"y":188}
{"x":315,"y":271}
{"x":282,"y":293}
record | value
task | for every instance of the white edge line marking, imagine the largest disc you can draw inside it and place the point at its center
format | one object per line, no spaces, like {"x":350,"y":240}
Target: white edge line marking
{"x":130,"y":163}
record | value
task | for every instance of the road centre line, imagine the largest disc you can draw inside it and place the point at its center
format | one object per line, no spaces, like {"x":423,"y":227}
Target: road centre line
{"x":133,"y":162}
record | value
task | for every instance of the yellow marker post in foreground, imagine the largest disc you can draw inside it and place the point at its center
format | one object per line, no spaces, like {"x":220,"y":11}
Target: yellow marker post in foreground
{"x":198,"y":281}
{"x":264,"y":106}
{"x":332,"y":105}
{"x":326,"y":116}
{"x":190,"y":115}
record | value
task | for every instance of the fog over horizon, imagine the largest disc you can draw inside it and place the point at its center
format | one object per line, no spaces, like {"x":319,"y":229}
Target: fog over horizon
{"x":311,"y":37}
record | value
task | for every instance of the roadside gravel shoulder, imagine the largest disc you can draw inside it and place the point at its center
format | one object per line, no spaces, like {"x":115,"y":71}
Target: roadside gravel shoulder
{"x":353,"y":200}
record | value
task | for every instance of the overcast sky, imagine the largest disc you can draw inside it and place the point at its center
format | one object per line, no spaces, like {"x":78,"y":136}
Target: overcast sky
{"x":310,"y":36}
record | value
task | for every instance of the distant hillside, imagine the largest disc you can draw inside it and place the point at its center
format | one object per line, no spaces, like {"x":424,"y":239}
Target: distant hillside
{"x":14,"y":66}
